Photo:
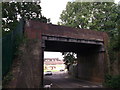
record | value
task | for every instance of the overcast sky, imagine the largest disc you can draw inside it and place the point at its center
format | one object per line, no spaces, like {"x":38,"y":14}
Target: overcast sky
{"x":52,"y":9}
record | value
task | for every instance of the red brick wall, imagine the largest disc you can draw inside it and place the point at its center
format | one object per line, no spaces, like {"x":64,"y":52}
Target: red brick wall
{"x":36,"y":29}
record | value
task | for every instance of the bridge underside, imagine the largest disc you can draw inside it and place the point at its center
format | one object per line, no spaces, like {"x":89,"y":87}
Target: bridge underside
{"x":63,"y":44}
{"x":90,"y":55}
{"x":70,"y":47}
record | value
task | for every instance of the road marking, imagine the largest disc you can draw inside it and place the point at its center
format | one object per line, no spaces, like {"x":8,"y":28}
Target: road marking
{"x":94,"y":86}
{"x":86,"y":86}
{"x":66,"y":77}
{"x":100,"y":85}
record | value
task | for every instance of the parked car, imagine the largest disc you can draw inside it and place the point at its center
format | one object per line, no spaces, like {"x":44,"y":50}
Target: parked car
{"x":61,"y":70}
{"x":48,"y":73}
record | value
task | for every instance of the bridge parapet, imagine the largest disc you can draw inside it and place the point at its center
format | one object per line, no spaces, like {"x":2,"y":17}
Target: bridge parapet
{"x":36,"y":29}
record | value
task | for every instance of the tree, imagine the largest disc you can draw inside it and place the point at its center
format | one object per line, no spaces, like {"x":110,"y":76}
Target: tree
{"x":69,"y":58}
{"x":99,"y":16}
{"x":13,"y":11}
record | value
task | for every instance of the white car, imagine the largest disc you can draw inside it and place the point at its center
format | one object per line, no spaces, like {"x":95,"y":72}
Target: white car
{"x":48,"y":73}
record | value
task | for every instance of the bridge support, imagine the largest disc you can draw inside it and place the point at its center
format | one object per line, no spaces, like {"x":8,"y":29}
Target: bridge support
{"x":31,"y":67}
{"x":91,"y":65}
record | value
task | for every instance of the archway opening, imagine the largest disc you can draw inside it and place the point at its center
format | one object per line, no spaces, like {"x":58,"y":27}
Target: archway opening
{"x":89,"y":65}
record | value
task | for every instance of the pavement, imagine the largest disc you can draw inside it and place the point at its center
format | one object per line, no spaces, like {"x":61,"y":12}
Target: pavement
{"x":63,"y":80}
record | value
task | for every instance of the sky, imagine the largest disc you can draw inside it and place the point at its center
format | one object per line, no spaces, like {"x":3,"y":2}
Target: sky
{"x":53,"y":55}
{"x":52,"y":9}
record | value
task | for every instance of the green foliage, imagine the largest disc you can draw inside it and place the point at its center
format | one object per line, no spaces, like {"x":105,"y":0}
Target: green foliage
{"x":100,"y":16}
{"x":13,"y":11}
{"x":19,"y":41}
{"x":112,"y":81}
{"x":7,"y":79}
{"x":69,"y":58}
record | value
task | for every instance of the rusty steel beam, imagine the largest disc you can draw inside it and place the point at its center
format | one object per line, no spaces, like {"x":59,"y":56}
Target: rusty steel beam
{"x":66,"y":39}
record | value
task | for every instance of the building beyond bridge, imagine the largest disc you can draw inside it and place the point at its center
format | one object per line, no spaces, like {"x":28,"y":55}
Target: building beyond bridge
{"x":53,"y":64}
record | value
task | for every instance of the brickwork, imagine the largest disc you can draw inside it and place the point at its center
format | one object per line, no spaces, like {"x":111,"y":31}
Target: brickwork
{"x":91,"y":67}
{"x":32,"y":68}
{"x":34,"y":29}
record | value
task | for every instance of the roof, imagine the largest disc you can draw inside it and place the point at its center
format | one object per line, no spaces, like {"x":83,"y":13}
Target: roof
{"x":53,"y":61}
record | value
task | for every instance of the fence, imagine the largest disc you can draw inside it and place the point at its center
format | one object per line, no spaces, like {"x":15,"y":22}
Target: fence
{"x":9,"y":44}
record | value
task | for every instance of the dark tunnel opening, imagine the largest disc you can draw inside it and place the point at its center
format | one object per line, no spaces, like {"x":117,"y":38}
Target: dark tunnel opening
{"x":89,"y":58}
{"x":60,"y":46}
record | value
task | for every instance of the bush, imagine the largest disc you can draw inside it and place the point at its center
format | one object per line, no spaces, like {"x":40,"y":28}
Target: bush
{"x":112,"y":81}
{"x":7,"y":79}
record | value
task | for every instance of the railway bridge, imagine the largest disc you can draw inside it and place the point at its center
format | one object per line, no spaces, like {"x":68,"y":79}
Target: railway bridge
{"x":90,"y":46}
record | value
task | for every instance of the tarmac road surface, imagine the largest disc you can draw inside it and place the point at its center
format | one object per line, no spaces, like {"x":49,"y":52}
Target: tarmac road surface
{"x":63,"y":80}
